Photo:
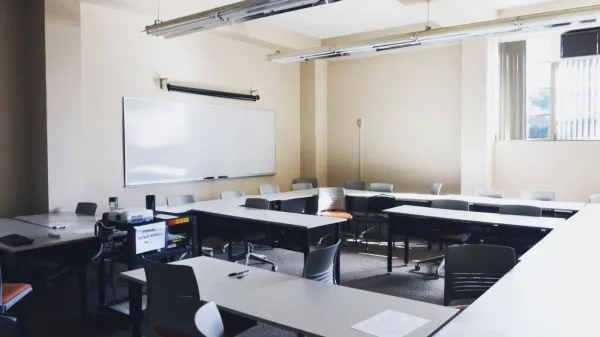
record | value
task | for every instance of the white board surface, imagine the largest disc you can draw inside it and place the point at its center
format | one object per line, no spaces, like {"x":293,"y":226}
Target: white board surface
{"x":169,"y":142}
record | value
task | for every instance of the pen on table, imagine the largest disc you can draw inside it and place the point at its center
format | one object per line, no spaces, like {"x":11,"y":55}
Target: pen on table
{"x":239,"y":273}
{"x":58,"y":226}
{"x":244,"y":274}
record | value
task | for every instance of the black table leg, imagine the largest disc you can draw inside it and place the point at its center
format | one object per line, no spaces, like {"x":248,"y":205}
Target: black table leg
{"x":135,"y":308}
{"x":336,"y":237}
{"x":306,"y":247}
{"x":406,"y":249}
{"x":83,"y":299}
{"x":101,"y":285}
{"x":389,"y":248}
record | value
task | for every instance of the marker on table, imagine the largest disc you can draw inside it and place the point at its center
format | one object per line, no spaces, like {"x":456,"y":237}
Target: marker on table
{"x":57,"y":226}
{"x":239,"y":273}
{"x":241,"y":276}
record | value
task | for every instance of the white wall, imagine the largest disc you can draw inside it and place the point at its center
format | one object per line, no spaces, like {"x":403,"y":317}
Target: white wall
{"x":117,"y":60}
{"x":410,"y":105}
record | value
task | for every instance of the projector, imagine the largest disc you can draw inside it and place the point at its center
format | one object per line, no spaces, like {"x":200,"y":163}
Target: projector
{"x":133,"y":215}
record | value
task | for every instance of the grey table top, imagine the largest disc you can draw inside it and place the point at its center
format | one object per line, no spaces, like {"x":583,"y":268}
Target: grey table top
{"x":478,"y":217}
{"x":304,"y":306}
{"x":534,"y":299}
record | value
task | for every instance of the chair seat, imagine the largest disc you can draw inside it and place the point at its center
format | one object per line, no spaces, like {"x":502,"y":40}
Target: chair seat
{"x":13,"y":292}
{"x":336,"y":214}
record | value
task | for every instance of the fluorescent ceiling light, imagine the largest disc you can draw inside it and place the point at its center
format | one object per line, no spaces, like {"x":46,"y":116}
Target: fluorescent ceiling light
{"x":234,"y":13}
{"x":529,"y":22}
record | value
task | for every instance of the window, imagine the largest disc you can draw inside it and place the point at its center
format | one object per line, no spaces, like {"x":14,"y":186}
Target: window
{"x":543,"y":97}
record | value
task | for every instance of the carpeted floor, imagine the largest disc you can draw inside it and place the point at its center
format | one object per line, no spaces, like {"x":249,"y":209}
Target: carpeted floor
{"x":54,"y":311}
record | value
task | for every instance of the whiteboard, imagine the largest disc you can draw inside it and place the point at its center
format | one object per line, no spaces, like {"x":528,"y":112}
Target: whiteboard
{"x":169,"y":142}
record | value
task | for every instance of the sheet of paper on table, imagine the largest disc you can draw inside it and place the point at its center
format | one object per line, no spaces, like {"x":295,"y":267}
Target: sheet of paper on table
{"x":390,"y":323}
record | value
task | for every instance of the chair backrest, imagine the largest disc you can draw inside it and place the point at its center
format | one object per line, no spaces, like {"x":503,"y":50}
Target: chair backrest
{"x":319,"y":264}
{"x":355,"y":185}
{"x":378,"y":203}
{"x":208,"y":321}
{"x":268,"y":189}
{"x":257,"y":203}
{"x":436,"y":188}
{"x":595,"y":198}
{"x":173,"y":297}
{"x":86,"y":208}
{"x":301,"y":186}
{"x":489,"y":193}
{"x":331,"y":199}
{"x":541,"y":195}
{"x":232,"y":194}
{"x":473,"y":269}
{"x":458,"y":205}
{"x":176,"y":200}
{"x":313,"y":181}
{"x":524,"y":210}
{"x":381,"y":187}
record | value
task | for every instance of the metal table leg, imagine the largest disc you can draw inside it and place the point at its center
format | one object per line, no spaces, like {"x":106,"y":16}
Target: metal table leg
{"x":135,"y":308}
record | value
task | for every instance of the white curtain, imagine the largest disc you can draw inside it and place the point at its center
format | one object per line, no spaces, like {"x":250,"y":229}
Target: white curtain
{"x":512,"y":90}
{"x":577,"y":98}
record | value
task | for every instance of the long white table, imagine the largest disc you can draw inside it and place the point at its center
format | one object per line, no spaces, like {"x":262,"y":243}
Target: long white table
{"x":302,"y":306}
{"x":544,"y":295}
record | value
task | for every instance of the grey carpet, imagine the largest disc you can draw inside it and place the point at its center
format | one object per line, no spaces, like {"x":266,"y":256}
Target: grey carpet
{"x":54,"y":311}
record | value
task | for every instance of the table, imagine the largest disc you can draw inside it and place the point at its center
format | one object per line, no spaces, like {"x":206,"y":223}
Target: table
{"x":303,"y":306}
{"x":564,"y":206}
{"x":400,"y":225}
{"x":530,"y":302}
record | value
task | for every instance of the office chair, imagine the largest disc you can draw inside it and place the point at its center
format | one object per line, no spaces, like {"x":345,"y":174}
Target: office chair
{"x":86,"y":208}
{"x":374,"y":215}
{"x":248,"y":255}
{"x":540,"y":195}
{"x":208,"y":321}
{"x":355,"y":185}
{"x":436,"y":188}
{"x":232,"y":194}
{"x":268,"y":189}
{"x":301,"y":186}
{"x":332,"y":203}
{"x":458,"y":205}
{"x":313,"y":181}
{"x":472,"y":269}
{"x":595,"y":199}
{"x":489,"y":193}
{"x":523,"y":210}
{"x":176,"y":200}
{"x":319,"y":265}
{"x":11,"y":295}
{"x":381,"y":187}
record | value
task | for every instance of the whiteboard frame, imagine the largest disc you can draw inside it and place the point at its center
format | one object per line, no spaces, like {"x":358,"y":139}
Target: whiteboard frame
{"x":126,"y":184}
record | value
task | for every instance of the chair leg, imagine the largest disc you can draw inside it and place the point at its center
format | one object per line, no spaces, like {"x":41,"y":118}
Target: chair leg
{"x":262,"y":259}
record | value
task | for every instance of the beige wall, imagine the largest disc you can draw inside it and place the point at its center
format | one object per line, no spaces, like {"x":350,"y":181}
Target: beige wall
{"x":410,"y":105}
{"x":569,"y":168}
{"x":117,"y":60}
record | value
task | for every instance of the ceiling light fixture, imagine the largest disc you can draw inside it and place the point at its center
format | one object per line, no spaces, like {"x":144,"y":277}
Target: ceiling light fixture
{"x":588,"y":14}
{"x":234,"y":13}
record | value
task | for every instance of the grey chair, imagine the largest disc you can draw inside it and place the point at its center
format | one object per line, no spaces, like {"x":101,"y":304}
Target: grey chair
{"x":595,"y":198}
{"x":355,"y":185}
{"x":313,"y":181}
{"x":86,"y":208}
{"x":176,"y":200}
{"x":208,"y":321}
{"x":540,"y":195}
{"x":436,"y":188}
{"x":472,"y":269}
{"x":457,"y":205}
{"x":498,"y":194}
{"x":381,"y":187}
{"x":523,"y":210}
{"x":248,"y":254}
{"x":320,"y":263}
{"x":301,"y":186}
{"x":331,"y":202}
{"x":12,"y":295}
{"x":268,"y":189}
{"x":232,"y":194}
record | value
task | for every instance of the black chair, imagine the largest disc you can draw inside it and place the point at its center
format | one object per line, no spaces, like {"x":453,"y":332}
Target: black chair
{"x":320,"y":263}
{"x":259,"y":236}
{"x":12,"y":296}
{"x":457,"y":205}
{"x":374,"y":216}
{"x":355,"y":185}
{"x":86,"y":208}
{"x":523,"y":210}
{"x":472,"y":269}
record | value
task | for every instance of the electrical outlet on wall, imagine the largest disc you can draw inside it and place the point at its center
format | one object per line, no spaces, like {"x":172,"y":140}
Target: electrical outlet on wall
{"x":359,"y":122}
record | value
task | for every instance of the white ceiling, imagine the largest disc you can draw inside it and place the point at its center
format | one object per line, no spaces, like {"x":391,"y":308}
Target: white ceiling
{"x":345,"y":17}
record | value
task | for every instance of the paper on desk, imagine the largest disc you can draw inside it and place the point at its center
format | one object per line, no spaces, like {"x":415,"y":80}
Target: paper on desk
{"x":390,"y":323}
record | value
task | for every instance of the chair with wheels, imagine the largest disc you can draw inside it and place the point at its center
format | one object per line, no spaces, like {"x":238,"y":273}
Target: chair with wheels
{"x":472,"y":269}
{"x":320,"y":263}
{"x":332,"y":203}
{"x":381,"y":187}
{"x":355,"y":185}
{"x":260,"y":236}
{"x":436,"y":188}
{"x":374,"y":216}
{"x":232,"y":194}
{"x":540,"y":195}
{"x":595,"y":199}
{"x":266,"y":189}
{"x":12,"y":296}
{"x":498,"y":194}
{"x":313,"y":181}
{"x":301,"y":186}
{"x":86,"y":208}
{"x":178,"y":200}
{"x":523,"y":210}
{"x":208,"y":321}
